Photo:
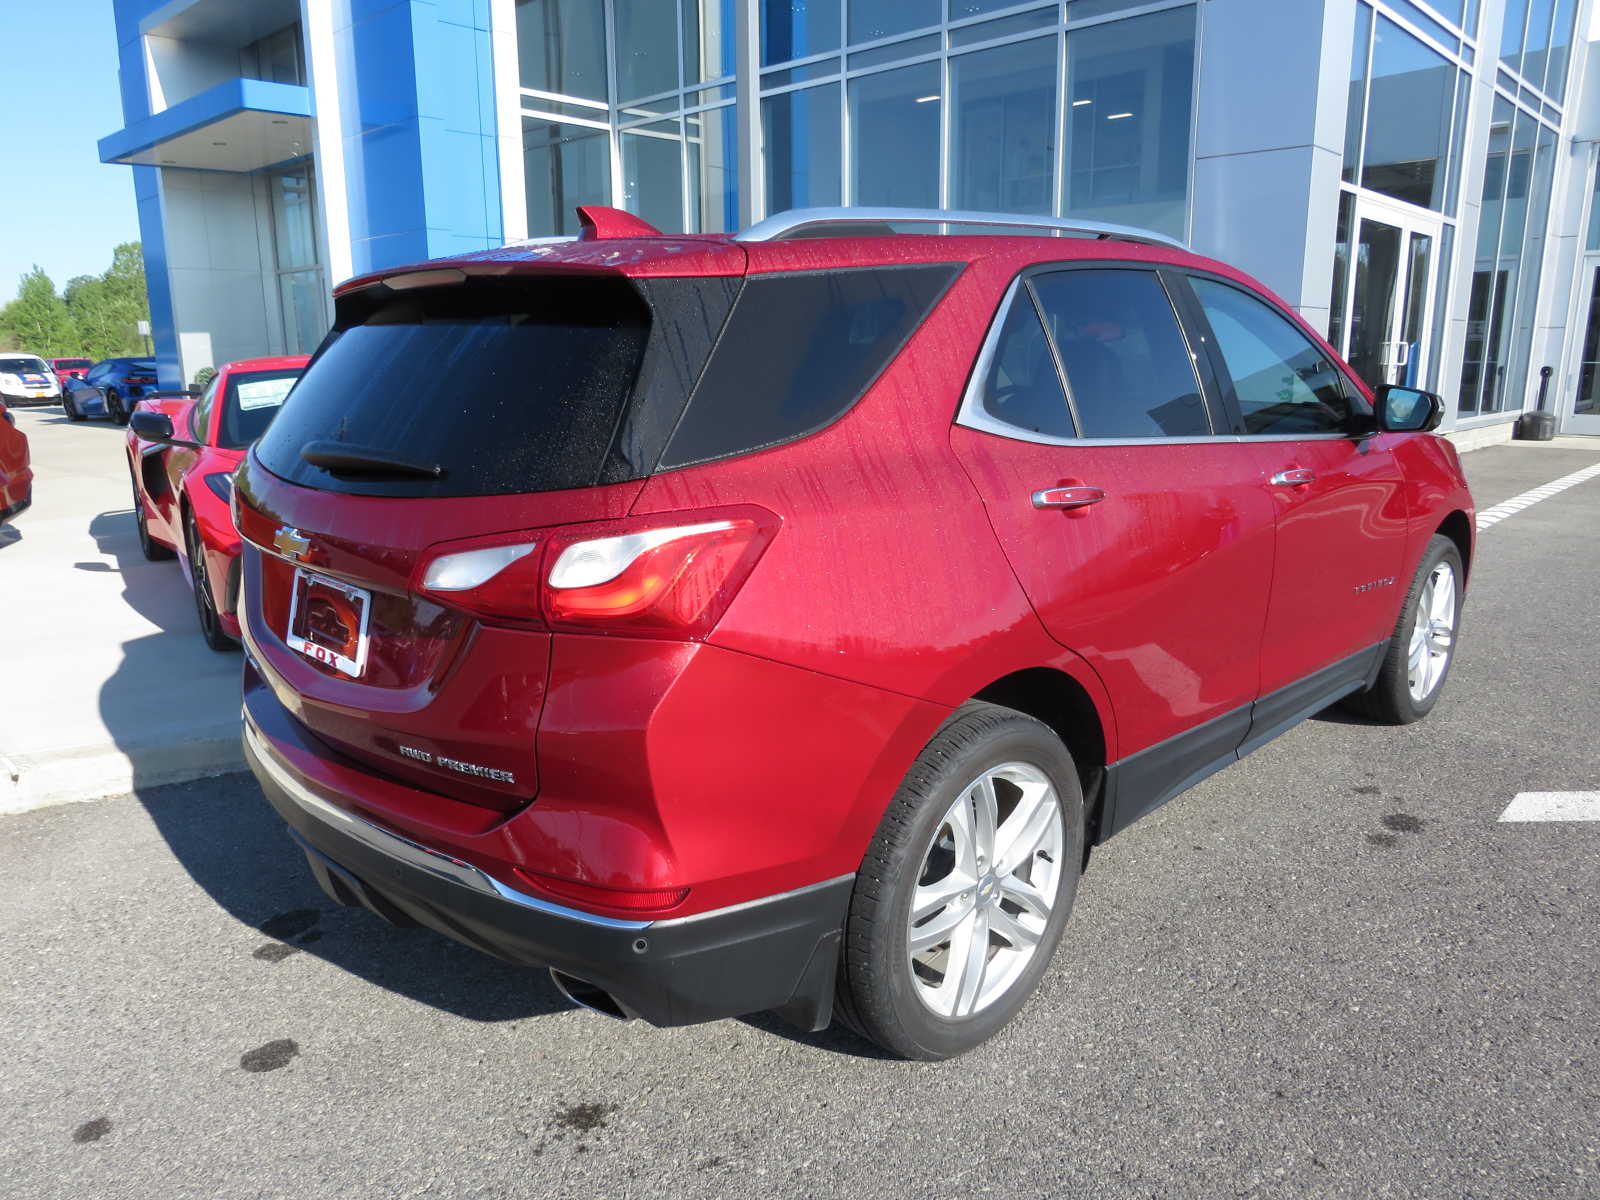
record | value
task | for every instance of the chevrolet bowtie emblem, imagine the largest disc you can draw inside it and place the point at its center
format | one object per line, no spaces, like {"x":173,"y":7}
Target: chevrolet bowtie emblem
{"x":291,"y":542}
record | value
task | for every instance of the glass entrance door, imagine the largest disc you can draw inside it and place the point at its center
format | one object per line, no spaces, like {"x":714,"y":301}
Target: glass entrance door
{"x":1386,"y":331}
{"x":1585,"y":414}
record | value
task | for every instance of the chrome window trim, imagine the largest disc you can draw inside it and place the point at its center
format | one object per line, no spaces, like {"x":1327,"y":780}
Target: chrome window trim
{"x":971,"y":414}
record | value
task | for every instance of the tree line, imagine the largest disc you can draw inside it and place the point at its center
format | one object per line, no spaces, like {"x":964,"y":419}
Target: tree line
{"x":95,"y":317}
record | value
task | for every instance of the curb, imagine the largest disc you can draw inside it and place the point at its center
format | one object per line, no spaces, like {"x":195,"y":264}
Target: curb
{"x":33,"y":781}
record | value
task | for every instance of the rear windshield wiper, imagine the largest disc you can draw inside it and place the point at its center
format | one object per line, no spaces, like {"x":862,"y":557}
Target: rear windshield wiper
{"x":342,"y":458}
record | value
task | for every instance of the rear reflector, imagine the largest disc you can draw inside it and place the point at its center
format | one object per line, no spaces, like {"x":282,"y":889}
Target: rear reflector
{"x":622,"y":899}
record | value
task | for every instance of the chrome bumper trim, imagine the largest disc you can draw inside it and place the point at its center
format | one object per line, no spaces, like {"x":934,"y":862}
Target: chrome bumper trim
{"x":402,"y":849}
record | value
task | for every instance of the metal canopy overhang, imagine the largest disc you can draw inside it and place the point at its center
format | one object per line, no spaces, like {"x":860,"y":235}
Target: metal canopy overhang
{"x":240,"y":125}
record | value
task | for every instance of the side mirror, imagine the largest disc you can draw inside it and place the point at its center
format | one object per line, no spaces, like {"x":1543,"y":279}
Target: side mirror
{"x":156,"y":427}
{"x":1408,"y":410}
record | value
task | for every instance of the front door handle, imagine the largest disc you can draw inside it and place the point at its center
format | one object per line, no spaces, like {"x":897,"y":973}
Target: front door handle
{"x":1294,"y":477}
{"x":1068,"y":497}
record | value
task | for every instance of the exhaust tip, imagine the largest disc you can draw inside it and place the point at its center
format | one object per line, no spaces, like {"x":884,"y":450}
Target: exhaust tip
{"x":586,"y":995}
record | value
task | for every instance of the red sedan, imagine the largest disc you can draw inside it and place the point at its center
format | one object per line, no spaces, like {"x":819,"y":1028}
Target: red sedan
{"x":16,"y":477}
{"x":181,"y":456}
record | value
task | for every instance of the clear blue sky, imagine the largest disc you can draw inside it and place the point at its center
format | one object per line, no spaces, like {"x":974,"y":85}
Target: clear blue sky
{"x":59,"y":207}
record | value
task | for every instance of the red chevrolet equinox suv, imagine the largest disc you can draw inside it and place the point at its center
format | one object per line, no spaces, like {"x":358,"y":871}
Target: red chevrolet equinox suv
{"x":773,"y":621}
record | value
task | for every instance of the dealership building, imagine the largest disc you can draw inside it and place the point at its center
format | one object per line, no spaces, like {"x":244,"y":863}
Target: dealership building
{"x":1421,"y":180}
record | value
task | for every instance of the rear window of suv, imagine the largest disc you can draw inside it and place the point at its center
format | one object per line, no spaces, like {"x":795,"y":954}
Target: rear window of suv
{"x":502,"y":389}
{"x":536,"y":384}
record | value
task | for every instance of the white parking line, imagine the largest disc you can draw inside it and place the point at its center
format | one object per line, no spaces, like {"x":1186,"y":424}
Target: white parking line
{"x":1493,"y":516}
{"x":1553,"y":806}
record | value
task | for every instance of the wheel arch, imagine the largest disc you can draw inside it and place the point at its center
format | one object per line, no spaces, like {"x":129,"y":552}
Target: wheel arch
{"x":1057,"y":699}
{"x":1458,"y":529}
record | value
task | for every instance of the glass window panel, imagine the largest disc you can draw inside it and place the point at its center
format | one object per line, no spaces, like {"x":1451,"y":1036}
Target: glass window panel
{"x":305,"y":310}
{"x":1425,"y":22}
{"x":1536,"y":52}
{"x":1487,"y":296}
{"x":652,"y":174}
{"x":1555,"y":79}
{"x":1127,"y":366}
{"x":1023,"y":388}
{"x":800,"y":132}
{"x":713,"y":170}
{"x":1002,"y":134}
{"x":894,"y":132}
{"x":1458,"y":140}
{"x":1341,"y":274}
{"x":275,"y":58}
{"x":561,"y":47}
{"x":798,"y":29}
{"x":874,"y":19}
{"x":708,"y":39}
{"x":647,"y":47}
{"x":961,"y":9}
{"x":910,"y":48}
{"x":1283,"y":380}
{"x":1356,"y":107}
{"x":1408,"y":118}
{"x":564,"y":166}
{"x":1083,"y":10}
{"x":1451,"y":10}
{"x":984,"y":31}
{"x":294,"y":218}
{"x":816,"y":70}
{"x":1513,"y":33}
{"x":1587,"y":403}
{"x":1536,"y":145}
{"x":1130,"y":89}
{"x":1594,"y":213}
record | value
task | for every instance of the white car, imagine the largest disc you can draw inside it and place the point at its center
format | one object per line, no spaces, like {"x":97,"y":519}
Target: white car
{"x":25,"y":379}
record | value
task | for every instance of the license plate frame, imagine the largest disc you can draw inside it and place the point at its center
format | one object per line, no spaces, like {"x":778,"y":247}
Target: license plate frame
{"x":348,"y":657}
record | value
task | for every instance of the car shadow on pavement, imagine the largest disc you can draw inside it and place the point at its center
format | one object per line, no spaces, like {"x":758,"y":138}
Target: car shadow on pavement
{"x":237,"y":849}
{"x":234,"y":846}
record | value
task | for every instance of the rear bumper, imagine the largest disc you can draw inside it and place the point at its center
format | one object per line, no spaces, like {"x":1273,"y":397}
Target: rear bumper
{"x":779,"y":952}
{"x":16,"y":493}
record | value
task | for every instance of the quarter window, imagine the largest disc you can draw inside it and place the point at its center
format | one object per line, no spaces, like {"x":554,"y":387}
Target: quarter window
{"x":1128,"y":369}
{"x":1022,"y":388}
{"x":1285,"y":384}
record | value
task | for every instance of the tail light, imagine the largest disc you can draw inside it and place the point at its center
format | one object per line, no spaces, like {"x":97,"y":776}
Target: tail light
{"x":668,"y":576}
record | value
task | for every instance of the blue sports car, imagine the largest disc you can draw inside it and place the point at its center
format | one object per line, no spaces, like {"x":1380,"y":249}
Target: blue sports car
{"x":110,"y":389}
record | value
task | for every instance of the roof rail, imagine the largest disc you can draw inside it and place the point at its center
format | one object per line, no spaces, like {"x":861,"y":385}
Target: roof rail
{"x":837,"y":222}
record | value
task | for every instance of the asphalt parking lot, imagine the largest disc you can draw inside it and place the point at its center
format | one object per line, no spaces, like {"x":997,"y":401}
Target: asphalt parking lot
{"x":1328,"y":971}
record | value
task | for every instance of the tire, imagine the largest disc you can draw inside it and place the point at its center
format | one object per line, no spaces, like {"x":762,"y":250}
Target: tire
{"x":114,"y":407}
{"x":71,"y":409}
{"x":1402,"y":693}
{"x":914,"y":1007}
{"x":205,"y":606}
{"x":153,"y":550}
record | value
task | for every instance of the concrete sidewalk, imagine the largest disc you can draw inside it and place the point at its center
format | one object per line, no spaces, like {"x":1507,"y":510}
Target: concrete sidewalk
{"x":105,"y":684}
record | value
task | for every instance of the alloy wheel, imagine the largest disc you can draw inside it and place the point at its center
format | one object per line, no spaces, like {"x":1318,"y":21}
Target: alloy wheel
{"x":986,"y":890}
{"x":205,"y":605}
{"x":1433,"y":634}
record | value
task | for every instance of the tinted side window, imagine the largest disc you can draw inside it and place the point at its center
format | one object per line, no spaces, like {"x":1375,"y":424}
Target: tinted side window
{"x":200,"y":414}
{"x":797,"y":352}
{"x":1126,"y":361}
{"x":1022,"y":387}
{"x":1283,"y":382}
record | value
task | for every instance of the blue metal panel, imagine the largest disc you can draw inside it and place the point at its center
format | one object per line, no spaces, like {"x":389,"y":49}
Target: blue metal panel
{"x":213,"y":104}
{"x":152,"y":236}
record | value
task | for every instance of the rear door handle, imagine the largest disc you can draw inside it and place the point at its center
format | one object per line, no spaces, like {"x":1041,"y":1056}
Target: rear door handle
{"x":1294,"y":477}
{"x":1068,"y":497}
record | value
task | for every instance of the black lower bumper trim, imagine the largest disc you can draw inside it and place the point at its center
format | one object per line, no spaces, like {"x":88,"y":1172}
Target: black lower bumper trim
{"x":776,"y":953}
